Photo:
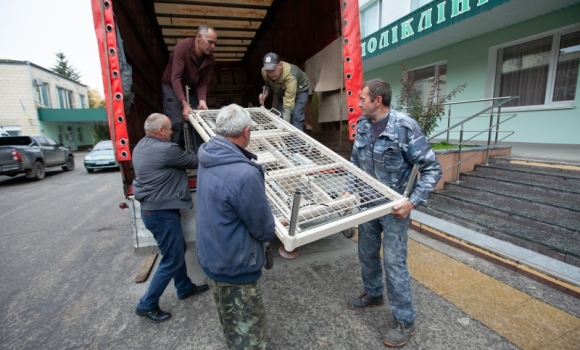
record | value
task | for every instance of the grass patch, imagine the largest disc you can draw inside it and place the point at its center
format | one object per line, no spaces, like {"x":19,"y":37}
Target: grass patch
{"x":446,"y":145}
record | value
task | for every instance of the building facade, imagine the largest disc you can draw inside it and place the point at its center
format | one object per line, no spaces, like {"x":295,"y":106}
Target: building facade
{"x":38,"y":101}
{"x":524,"y":48}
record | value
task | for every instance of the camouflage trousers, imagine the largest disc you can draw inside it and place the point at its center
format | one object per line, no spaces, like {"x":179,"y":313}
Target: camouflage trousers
{"x":242,"y":314}
{"x":398,"y":279}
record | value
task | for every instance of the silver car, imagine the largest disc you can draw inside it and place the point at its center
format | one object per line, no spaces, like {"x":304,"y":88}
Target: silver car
{"x":101,"y":157}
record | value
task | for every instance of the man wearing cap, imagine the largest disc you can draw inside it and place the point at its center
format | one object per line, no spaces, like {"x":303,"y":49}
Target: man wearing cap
{"x":191,"y":64}
{"x":290,"y":84}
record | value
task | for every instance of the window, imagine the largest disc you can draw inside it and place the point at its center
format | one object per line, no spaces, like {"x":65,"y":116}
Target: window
{"x":415,"y":4}
{"x":370,"y":19}
{"x":70,"y":134}
{"x":80,"y":133}
{"x":542,"y":71}
{"x":82,"y":99}
{"x":50,"y":142}
{"x":65,"y":99}
{"x":430,"y":81}
{"x":41,"y":92}
{"x":60,"y":136}
{"x":13,"y":130}
{"x":43,"y":141}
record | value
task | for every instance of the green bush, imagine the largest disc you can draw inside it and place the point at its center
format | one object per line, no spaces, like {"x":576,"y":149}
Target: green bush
{"x":429,"y":114}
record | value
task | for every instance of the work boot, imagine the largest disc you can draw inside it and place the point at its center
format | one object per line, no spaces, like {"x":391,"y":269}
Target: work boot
{"x":399,"y":333}
{"x":363,"y":301}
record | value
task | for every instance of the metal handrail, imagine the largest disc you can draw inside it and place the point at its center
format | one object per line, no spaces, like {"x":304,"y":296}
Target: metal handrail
{"x":507,"y":99}
{"x":471,"y":101}
{"x":460,"y":124}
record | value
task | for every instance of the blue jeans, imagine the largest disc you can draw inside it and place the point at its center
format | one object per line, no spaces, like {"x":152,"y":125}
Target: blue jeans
{"x":165,"y":225}
{"x":172,"y":109}
{"x":395,"y":260}
{"x":298,"y":111}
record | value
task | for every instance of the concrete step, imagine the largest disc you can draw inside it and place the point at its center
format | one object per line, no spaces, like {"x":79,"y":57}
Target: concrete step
{"x":549,"y":168}
{"x":552,"y":245}
{"x":559,"y":193}
{"x":497,"y":206}
{"x":531,"y":175}
{"x":519,"y":199}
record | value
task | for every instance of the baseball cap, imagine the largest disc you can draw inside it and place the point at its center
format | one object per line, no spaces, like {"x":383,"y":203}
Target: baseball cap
{"x":271,"y":60}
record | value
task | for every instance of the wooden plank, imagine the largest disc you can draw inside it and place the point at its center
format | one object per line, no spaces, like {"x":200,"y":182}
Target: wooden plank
{"x":167,"y":21}
{"x":145,"y":268}
{"x":193,"y":32}
{"x":261,"y":3}
{"x":230,"y":49}
{"x":221,"y":49}
{"x":225,"y":42}
{"x":229,"y":54}
{"x":209,"y":11}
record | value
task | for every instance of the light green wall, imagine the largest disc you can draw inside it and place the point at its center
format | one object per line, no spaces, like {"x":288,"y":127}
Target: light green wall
{"x":467,"y":62}
{"x":50,"y":129}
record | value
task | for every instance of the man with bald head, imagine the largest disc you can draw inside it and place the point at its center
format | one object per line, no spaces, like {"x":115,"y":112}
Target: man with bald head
{"x":162,"y":188}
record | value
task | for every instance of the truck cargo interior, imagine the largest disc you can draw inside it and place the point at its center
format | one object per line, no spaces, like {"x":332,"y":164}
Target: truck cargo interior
{"x":302,"y":32}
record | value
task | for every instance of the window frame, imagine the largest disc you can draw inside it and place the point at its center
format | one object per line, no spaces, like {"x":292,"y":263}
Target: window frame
{"x":80,"y":137}
{"x":365,"y":7}
{"x":492,"y":61}
{"x":69,"y":101}
{"x":39,"y":89}
{"x":60,"y":134}
{"x":415,"y":4}
{"x":435,"y":64}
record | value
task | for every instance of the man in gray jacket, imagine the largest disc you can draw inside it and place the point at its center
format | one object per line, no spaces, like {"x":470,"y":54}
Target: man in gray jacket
{"x":162,"y":188}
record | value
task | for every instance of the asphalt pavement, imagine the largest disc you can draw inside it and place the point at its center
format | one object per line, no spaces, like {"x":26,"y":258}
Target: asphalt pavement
{"x":67,"y":271}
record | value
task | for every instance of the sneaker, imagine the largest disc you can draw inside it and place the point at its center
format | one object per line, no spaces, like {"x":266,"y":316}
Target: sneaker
{"x":364,"y":301}
{"x":399,"y":334}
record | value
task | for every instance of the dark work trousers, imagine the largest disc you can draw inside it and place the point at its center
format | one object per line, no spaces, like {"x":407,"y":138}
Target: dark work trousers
{"x":298,"y":111}
{"x":172,"y":109}
{"x":165,"y":225}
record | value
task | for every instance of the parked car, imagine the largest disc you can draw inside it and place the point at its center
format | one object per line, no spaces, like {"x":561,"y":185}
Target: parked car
{"x":32,"y":155}
{"x":101,"y":157}
{"x":3,"y":133}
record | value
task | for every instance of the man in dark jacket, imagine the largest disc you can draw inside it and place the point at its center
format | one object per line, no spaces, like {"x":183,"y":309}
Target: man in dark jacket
{"x":162,"y":188}
{"x":191,"y":64}
{"x":233,"y":222}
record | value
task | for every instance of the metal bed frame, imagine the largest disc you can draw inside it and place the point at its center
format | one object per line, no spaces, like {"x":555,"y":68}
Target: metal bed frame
{"x":305,"y":181}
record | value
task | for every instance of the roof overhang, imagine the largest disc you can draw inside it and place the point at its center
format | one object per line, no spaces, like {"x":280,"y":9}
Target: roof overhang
{"x":442,"y":23}
{"x":72,"y":115}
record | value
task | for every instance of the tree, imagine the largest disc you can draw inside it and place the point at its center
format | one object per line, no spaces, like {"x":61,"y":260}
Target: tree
{"x":63,"y":68}
{"x":95,"y":99}
{"x":100,"y":129}
{"x":429,"y":114}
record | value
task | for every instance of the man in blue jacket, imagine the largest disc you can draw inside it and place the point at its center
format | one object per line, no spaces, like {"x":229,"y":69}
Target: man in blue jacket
{"x":387,"y":145}
{"x":234,"y":220}
{"x":162,"y":188}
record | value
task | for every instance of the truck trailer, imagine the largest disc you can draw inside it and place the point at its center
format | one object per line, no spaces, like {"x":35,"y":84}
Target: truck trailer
{"x":136,"y":38}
